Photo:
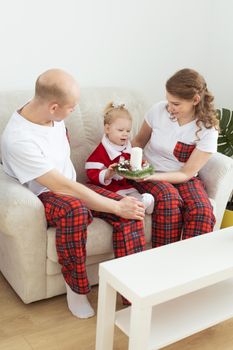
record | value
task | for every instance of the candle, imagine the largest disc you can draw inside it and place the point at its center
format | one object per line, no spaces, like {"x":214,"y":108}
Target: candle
{"x":136,"y":158}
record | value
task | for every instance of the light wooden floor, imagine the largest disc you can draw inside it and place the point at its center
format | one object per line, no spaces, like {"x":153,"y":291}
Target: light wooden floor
{"x":48,"y":325}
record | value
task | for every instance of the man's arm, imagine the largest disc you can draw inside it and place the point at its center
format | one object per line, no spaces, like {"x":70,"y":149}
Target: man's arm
{"x":128,"y":207}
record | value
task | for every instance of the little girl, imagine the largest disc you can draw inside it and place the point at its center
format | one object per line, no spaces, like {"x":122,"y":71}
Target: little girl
{"x":115,"y":144}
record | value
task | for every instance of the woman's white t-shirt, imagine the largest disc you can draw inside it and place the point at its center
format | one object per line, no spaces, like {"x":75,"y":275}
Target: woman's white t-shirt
{"x":30,"y":150}
{"x":166,"y":133}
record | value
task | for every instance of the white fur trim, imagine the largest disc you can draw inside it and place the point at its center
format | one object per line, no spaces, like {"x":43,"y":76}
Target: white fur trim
{"x":101,"y":178}
{"x":113,"y":150}
{"x":94,"y":165}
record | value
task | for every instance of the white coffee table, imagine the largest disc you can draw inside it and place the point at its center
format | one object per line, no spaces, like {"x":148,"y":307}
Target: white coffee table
{"x":175,"y":291}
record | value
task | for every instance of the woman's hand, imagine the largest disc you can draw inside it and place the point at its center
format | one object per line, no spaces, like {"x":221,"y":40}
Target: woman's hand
{"x":196,"y":161}
{"x":146,"y":178}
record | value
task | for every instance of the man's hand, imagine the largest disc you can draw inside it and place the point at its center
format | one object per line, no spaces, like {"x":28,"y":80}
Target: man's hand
{"x":131,"y":208}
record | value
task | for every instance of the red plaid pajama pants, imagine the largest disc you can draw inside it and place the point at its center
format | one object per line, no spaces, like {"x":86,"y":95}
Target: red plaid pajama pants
{"x":181,"y":210}
{"x":71,"y":218}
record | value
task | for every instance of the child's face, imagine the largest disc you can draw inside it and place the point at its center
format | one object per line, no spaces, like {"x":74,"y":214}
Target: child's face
{"x":119,"y":130}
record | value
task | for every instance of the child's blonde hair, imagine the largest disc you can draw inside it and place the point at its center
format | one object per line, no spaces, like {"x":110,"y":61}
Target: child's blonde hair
{"x":115,"y":110}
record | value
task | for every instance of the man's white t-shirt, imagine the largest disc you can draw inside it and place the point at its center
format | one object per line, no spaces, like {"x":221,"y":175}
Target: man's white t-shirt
{"x":167,"y":132}
{"x":30,"y":150}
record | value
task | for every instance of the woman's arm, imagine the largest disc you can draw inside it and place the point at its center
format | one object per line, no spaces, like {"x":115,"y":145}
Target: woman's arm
{"x":143,"y":136}
{"x":195,"y":162}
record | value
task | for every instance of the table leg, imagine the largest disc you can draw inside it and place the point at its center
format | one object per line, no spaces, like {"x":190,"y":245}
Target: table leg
{"x":105,"y":316}
{"x":140,"y":325}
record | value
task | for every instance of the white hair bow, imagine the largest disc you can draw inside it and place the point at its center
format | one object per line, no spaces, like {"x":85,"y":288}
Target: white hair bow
{"x":118,"y":105}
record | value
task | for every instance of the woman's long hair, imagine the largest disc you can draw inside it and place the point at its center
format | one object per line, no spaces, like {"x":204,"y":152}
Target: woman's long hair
{"x":186,"y":84}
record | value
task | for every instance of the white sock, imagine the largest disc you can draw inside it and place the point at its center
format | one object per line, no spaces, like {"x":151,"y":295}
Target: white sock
{"x":78,"y":304}
{"x":148,"y":201}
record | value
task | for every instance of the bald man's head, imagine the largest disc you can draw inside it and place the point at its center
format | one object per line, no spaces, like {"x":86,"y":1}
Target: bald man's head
{"x":56,"y":85}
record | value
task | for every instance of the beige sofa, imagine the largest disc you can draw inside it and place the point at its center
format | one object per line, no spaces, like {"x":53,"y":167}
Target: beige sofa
{"x":28,"y":258}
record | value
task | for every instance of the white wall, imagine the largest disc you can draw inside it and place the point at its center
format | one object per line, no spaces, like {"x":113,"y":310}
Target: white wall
{"x":219,"y":61}
{"x":131,"y":43}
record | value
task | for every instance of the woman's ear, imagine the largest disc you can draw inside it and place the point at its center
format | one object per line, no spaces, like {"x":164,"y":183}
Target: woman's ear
{"x":196,"y":99}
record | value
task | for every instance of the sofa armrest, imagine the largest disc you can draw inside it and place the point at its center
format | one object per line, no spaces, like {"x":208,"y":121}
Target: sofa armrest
{"x":20,"y":209}
{"x":23,"y":239}
{"x":217,"y":177}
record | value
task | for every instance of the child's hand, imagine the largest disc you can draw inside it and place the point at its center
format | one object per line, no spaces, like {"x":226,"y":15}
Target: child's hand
{"x":113,"y":166}
{"x":111,"y":171}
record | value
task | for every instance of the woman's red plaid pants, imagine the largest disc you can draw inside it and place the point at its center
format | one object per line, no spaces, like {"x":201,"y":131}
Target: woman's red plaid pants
{"x":181,"y":210}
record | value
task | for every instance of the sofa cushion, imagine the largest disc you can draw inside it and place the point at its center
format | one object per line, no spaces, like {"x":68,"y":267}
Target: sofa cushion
{"x":99,"y":239}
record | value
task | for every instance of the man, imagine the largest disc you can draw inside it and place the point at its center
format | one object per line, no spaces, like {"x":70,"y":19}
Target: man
{"x":35,"y":150}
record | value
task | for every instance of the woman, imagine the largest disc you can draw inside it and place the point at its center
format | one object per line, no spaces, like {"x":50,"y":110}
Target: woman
{"x":179,"y":136}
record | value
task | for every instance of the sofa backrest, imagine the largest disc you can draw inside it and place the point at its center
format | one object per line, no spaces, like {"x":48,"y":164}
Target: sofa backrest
{"x":85,"y":124}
